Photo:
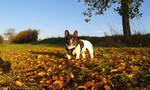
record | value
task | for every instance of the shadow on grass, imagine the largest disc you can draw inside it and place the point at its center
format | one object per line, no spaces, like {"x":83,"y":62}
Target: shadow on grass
{"x":5,"y":66}
{"x":56,"y":54}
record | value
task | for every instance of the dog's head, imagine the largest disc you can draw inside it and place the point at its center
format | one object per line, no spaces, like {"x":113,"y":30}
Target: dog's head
{"x":71,"y":39}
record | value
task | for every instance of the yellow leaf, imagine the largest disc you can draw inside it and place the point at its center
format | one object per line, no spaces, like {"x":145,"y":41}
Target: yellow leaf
{"x":123,"y":64}
{"x":121,"y":68}
{"x":130,"y":75}
{"x":39,"y":56}
{"x":41,"y":73}
{"x":81,"y":87}
{"x":49,"y":69}
{"x":103,"y":70}
{"x":71,"y":75}
{"x":47,"y":56}
{"x":134,"y":68}
{"x":18,"y":83}
{"x":104,"y":81}
{"x":144,"y":58}
{"x":60,"y":66}
{"x":29,"y":59}
{"x":113,"y":70}
{"x":83,"y":68}
{"x":58,"y":82}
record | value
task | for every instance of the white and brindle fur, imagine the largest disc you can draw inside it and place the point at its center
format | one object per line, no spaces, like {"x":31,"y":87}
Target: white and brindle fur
{"x":77,"y":47}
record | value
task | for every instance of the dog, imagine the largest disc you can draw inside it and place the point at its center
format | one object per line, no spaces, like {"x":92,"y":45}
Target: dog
{"x":77,"y":47}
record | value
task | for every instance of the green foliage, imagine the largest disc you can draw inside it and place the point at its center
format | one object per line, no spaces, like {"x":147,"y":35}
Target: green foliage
{"x":26,"y":36}
{"x":1,"y":39}
{"x":130,"y":7}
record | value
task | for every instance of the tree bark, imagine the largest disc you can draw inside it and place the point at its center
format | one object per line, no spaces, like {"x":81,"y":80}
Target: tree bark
{"x":126,"y":28}
{"x":126,"y":21}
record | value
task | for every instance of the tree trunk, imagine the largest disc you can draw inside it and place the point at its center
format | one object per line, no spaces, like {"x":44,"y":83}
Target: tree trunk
{"x":126,"y":21}
{"x":126,"y":28}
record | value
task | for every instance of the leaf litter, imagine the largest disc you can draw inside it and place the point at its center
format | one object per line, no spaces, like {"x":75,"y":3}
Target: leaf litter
{"x":44,"y":68}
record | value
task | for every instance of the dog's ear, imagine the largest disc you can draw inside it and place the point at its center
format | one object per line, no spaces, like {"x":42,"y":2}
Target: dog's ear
{"x":66,"y":33}
{"x":75,"y":33}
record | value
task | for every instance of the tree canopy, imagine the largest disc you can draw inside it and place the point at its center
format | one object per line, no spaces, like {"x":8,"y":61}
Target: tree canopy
{"x":128,"y":9}
{"x":131,"y":7}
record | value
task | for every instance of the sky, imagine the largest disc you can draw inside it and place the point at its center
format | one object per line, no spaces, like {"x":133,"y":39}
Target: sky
{"x":53,"y":17}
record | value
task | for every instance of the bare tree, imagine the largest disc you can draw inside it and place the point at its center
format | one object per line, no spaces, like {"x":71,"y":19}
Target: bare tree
{"x":9,"y":33}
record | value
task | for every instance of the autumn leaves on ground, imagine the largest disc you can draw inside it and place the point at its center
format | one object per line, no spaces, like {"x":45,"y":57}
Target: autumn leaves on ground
{"x":44,"y":67}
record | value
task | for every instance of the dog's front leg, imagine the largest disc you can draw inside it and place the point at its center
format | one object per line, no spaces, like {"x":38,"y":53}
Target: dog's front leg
{"x":68,"y":56}
{"x":77,"y":56}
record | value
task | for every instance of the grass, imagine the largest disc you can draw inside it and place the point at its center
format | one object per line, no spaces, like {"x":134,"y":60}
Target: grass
{"x":44,"y":66}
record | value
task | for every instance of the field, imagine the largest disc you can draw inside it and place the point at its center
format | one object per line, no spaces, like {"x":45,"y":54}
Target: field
{"x":32,"y":67}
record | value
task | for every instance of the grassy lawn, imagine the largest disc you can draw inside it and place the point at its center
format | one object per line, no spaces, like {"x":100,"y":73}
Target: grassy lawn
{"x":25,"y":66}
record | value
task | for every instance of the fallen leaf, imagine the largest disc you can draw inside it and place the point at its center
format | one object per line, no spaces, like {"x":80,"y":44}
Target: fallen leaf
{"x":113,"y":70}
{"x":55,"y":78}
{"x":39,"y":56}
{"x":81,"y":88}
{"x":41,"y":73}
{"x":49,"y":81}
{"x":58,"y":82}
{"x":107,"y":87}
{"x":71,"y":75}
{"x":89,"y":84}
{"x":18,"y":83}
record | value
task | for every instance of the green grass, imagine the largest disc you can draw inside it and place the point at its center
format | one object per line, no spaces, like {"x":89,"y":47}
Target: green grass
{"x":9,"y":50}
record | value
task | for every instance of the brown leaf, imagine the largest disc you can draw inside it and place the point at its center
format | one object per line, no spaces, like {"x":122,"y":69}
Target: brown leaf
{"x":61,"y":78}
{"x":55,"y":78}
{"x":49,"y":81}
{"x":97,"y":85}
{"x":89,"y":84}
{"x":107,"y":87}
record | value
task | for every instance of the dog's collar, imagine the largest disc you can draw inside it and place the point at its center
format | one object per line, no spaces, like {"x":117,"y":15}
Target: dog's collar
{"x":70,"y":49}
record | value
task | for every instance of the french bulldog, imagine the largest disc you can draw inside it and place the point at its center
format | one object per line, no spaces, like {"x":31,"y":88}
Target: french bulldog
{"x":77,"y":47}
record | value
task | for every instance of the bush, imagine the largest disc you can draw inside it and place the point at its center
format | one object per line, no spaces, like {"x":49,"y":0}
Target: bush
{"x":1,"y":39}
{"x":26,"y":36}
{"x":141,"y":40}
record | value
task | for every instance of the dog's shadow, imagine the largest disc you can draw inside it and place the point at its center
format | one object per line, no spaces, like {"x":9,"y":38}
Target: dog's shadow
{"x":5,"y":66}
{"x":57,"y":54}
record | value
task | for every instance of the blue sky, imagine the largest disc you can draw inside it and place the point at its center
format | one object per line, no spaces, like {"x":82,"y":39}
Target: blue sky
{"x":53,"y":17}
